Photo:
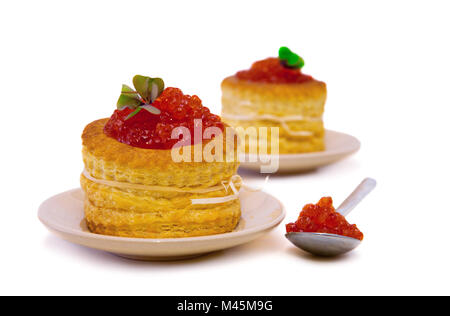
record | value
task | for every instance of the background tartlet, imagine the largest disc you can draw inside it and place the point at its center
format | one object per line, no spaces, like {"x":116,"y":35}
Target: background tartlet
{"x":274,"y":94}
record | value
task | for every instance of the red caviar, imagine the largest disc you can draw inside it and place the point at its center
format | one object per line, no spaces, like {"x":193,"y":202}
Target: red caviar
{"x":323,"y":218}
{"x":271,"y":70}
{"x":147,"y":130}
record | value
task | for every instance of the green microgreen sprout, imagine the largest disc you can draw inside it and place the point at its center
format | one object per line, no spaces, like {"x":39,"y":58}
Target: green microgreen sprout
{"x":145,"y":92}
{"x":290,"y":59}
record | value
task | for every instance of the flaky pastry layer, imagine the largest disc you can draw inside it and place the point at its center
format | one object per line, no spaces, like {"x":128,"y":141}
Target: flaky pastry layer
{"x":106,"y":158}
{"x":132,"y":212}
{"x":172,"y":223}
{"x":252,"y":100}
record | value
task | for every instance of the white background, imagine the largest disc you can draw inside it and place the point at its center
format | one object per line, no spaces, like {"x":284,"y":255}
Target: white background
{"x":386,"y":64}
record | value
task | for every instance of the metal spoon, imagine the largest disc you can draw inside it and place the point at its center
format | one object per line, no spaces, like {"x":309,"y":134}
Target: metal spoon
{"x":328,"y":245}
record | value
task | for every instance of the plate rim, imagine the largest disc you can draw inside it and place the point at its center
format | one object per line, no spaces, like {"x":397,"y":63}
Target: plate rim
{"x":234,"y":234}
{"x":314,"y":154}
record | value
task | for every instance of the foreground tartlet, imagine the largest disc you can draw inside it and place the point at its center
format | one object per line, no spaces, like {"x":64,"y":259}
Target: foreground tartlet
{"x":132,"y":185}
{"x":275,"y":93}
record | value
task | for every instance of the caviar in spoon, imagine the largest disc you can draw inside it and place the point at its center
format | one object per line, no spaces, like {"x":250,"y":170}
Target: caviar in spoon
{"x":345,"y":238}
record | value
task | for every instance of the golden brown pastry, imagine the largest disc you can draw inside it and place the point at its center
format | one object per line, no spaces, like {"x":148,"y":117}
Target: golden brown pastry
{"x":273,"y":94}
{"x":139,"y":191}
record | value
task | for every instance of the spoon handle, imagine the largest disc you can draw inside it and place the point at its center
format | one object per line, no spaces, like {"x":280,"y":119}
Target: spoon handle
{"x":353,"y":199}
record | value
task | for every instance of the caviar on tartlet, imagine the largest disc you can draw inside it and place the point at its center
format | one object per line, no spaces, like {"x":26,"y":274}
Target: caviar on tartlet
{"x":286,"y":68}
{"x":272,"y":70}
{"x":146,"y":117}
{"x":323,"y":218}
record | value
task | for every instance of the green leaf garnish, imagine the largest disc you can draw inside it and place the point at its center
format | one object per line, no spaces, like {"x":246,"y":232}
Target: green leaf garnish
{"x":133,"y":113}
{"x":128,"y":90}
{"x":284,"y":52}
{"x":142,"y":86}
{"x":157,"y":87}
{"x":151,"y":109}
{"x":128,"y":97}
{"x":290,"y":59}
{"x":147,"y":90}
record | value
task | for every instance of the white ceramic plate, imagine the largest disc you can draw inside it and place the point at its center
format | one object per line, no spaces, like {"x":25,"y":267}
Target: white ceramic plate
{"x":338,"y":146}
{"x":63,"y":215}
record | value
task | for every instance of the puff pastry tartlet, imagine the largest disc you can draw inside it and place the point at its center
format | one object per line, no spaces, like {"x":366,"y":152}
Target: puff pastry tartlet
{"x":275,"y":93}
{"x":133,"y":187}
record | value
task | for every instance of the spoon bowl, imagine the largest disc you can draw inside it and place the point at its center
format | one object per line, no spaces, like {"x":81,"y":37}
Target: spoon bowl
{"x":325,"y":245}
{"x":328,"y":245}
